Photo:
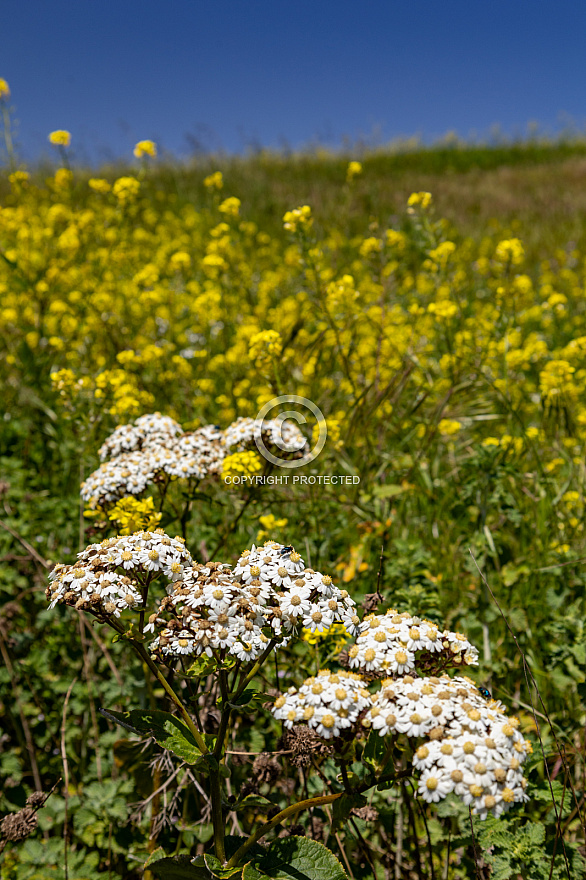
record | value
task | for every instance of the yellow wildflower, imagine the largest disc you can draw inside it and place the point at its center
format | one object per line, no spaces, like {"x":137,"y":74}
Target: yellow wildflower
{"x":230,"y":207}
{"x":214,"y":181}
{"x":265,"y":346}
{"x":241,"y":464}
{"x":298,"y":218}
{"x":60,"y":138}
{"x":99,"y":185}
{"x":353,"y":170}
{"x":126,"y":189}
{"x":145,"y":148}
{"x":133,"y":515}
{"x":449,"y":427}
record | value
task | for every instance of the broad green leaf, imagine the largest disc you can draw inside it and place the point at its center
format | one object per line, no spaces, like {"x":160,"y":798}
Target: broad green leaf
{"x":168,"y":730}
{"x":216,"y":868}
{"x":250,"y":699}
{"x":177,"y":868}
{"x":250,"y":872}
{"x":204,"y":665}
{"x":155,"y":856}
{"x":252,"y":800}
{"x":342,"y":807}
{"x":374,"y":751}
{"x":299,"y":858}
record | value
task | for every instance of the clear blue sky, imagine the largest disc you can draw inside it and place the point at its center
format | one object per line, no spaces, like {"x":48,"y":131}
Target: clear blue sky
{"x":232,"y":73}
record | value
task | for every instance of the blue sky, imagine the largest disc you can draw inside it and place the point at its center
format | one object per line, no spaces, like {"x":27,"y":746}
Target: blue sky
{"x":231,"y":74}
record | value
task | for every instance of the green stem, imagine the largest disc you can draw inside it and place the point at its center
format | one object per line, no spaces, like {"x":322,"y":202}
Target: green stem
{"x":254,"y":669}
{"x":225,"y":719}
{"x":177,"y":700}
{"x":276,"y":820}
{"x":217,"y":817}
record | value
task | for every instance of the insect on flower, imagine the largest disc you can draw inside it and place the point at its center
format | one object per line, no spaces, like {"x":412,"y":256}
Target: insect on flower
{"x":485,"y":693}
{"x":285,"y":551}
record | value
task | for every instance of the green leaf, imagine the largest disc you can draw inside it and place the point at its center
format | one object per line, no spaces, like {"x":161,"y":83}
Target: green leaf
{"x":176,"y":868}
{"x":250,"y":699}
{"x":155,"y":856}
{"x":374,"y":751}
{"x":298,"y":858}
{"x":249,"y":872}
{"x":169,"y":731}
{"x":252,"y":800}
{"x":216,"y":868}
{"x":387,"y":491}
{"x":343,"y":806}
{"x":204,"y":665}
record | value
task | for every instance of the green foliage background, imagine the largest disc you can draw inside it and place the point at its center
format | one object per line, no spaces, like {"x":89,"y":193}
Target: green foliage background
{"x":504,"y":505}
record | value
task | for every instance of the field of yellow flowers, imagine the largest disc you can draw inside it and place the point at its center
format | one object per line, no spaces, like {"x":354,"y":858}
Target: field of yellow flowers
{"x":448,"y":357}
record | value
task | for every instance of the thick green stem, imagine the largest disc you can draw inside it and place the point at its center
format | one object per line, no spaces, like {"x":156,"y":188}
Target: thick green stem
{"x":254,"y":670}
{"x":176,"y":699}
{"x":217,"y":817}
{"x":288,"y":811}
{"x":225,"y":719}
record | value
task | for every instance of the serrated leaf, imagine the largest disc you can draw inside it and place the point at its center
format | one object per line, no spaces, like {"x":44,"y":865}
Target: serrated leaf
{"x":167,"y":729}
{"x":299,"y":858}
{"x":252,"y":800}
{"x":204,"y":665}
{"x":217,"y":869}
{"x":155,"y":856}
{"x":250,"y":872}
{"x":374,"y":750}
{"x":342,"y":807}
{"x":177,"y":868}
{"x":250,"y":699}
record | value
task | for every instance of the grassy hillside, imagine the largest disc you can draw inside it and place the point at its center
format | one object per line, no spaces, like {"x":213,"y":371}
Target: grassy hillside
{"x":443,"y":339}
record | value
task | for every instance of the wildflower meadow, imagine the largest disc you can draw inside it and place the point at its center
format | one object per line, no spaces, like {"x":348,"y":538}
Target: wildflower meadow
{"x":292,"y":505}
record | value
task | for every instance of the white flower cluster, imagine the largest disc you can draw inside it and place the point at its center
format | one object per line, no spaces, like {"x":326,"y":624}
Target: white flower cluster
{"x":270,"y":591}
{"x":150,"y":449}
{"x":395,"y":643}
{"x":278,"y":433}
{"x":155,"y":447}
{"x":329,"y":703}
{"x":152,"y":429}
{"x":109,"y":577}
{"x":473,"y":748}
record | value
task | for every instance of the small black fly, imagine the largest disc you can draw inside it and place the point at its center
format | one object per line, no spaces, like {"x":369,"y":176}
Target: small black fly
{"x":284,"y":551}
{"x":485,"y":693}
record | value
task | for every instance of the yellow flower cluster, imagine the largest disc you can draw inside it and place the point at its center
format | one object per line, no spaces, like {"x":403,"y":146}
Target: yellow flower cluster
{"x":337,"y":632}
{"x":131,"y":515}
{"x":230,"y":207}
{"x":265,"y":346}
{"x":145,"y":148}
{"x":115,"y":391}
{"x":241,"y":464}
{"x":271,"y":526}
{"x":418,"y":200}
{"x":214,"y":181}
{"x":126,"y":189}
{"x":298,"y":218}
{"x":134,"y":300}
{"x":60,"y":138}
{"x":354,"y":170}
{"x":510,"y":252}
